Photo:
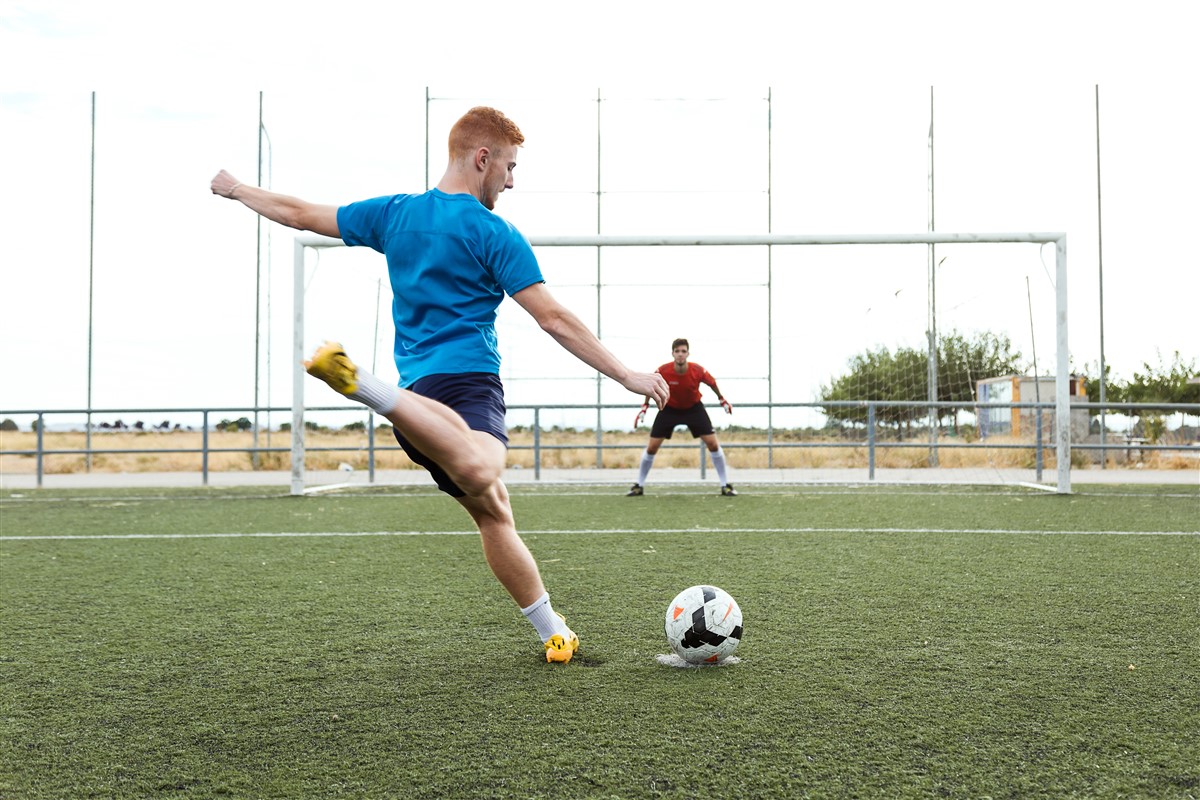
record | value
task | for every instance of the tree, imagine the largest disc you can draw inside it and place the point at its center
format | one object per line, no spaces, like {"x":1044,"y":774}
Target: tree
{"x":8,"y":425}
{"x":1114,"y":391}
{"x":882,"y":376}
{"x":1162,"y":384}
{"x":1165,"y":384}
{"x":1159,"y":383}
{"x":962,"y":362}
{"x":1176,"y":383}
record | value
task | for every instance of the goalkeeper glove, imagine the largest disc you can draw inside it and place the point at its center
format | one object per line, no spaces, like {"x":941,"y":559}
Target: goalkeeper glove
{"x":725,"y":405}
{"x":641,"y":415}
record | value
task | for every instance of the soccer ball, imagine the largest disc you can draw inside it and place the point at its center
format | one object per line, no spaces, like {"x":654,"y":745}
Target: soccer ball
{"x":704,"y":625}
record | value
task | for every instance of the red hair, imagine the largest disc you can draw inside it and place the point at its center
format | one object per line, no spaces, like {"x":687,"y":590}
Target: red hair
{"x":482,"y":127}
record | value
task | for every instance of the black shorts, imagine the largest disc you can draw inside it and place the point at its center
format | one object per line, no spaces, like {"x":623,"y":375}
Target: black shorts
{"x":696,"y":418}
{"x":478,"y":397}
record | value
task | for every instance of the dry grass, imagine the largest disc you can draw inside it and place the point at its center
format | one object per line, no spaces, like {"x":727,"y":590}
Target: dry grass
{"x":580,"y":452}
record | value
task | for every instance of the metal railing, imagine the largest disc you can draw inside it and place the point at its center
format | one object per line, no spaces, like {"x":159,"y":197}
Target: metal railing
{"x":867,"y":435}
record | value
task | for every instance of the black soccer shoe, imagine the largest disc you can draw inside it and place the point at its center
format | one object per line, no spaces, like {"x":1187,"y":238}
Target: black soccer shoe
{"x":728,"y":491}
{"x":636,"y":491}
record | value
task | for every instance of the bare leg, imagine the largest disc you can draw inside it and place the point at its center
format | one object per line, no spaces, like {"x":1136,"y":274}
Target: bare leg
{"x":474,"y":460}
{"x":506,"y":554}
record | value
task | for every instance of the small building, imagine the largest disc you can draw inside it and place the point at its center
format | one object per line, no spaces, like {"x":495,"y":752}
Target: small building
{"x":1020,"y":423}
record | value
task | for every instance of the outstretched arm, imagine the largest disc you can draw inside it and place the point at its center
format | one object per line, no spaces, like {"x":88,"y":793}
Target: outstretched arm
{"x":290,"y":211}
{"x":570,"y":332}
{"x":712,"y":382}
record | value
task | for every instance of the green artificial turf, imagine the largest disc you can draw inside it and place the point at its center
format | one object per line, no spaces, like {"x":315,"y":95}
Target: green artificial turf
{"x":960,"y":642}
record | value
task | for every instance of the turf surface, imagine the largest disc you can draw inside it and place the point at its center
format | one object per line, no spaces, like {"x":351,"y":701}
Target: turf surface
{"x":900,"y":642}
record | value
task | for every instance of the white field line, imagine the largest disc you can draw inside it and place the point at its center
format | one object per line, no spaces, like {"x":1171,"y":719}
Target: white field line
{"x":319,"y":534}
{"x":417,"y":495}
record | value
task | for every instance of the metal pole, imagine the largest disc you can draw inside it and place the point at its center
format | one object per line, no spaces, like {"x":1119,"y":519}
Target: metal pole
{"x":932,"y":328}
{"x":374,"y":358}
{"x":1062,"y":428}
{"x":297,"y":368}
{"x":537,"y":444}
{"x":255,"y":459}
{"x":370,"y":446}
{"x":41,"y":426}
{"x":770,"y":307}
{"x":599,"y":377}
{"x":91,"y":283}
{"x":1100,"y":258}
{"x":1038,"y":449}
{"x":1037,"y":381}
{"x":204,"y":449}
{"x":870,"y":441}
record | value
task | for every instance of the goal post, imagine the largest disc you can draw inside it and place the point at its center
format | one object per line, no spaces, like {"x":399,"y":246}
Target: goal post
{"x":1062,"y":403}
{"x":302,"y":244}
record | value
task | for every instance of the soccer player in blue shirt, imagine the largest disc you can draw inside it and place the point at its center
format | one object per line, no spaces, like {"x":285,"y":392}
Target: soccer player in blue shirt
{"x":450,"y":262}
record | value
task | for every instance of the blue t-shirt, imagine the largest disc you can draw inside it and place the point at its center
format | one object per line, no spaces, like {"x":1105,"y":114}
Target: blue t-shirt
{"x":450,"y":262}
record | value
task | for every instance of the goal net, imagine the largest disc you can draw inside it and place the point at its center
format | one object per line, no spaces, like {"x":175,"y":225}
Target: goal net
{"x":930,"y":354}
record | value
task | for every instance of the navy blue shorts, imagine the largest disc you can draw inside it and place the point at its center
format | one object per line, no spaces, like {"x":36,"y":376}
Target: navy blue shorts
{"x":696,"y":418}
{"x":478,"y":397}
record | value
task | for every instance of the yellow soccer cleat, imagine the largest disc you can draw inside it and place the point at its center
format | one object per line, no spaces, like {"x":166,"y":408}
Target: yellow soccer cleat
{"x":331,"y":364}
{"x":559,"y":649}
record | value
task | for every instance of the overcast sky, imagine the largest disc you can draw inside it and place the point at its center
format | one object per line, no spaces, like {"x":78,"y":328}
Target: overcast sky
{"x":685,"y":147}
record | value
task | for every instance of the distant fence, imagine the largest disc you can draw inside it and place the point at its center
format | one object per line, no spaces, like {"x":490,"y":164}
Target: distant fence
{"x":870,"y":434}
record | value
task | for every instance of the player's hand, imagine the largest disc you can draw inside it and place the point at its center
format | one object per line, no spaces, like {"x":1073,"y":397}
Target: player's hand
{"x":649,"y":384}
{"x":224,"y":184}
{"x":725,"y":405}
{"x":641,"y":415}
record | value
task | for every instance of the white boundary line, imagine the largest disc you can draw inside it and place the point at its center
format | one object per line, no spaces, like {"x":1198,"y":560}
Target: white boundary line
{"x":595,"y":490}
{"x":320,"y":534}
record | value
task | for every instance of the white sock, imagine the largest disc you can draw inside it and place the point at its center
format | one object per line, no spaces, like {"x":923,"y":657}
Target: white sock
{"x":541,"y":615}
{"x":644,"y":468}
{"x":718,"y":459}
{"x":376,"y":395}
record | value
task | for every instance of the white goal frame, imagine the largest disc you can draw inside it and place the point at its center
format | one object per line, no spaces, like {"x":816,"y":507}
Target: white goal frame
{"x":1062,"y":400}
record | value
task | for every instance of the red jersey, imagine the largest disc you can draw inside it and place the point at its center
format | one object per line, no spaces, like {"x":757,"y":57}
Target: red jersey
{"x":685,"y":388}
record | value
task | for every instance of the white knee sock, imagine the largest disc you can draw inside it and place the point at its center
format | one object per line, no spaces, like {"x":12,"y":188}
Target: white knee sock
{"x":718,"y":459}
{"x":375,"y":394}
{"x":541,"y":615}
{"x":644,"y":467}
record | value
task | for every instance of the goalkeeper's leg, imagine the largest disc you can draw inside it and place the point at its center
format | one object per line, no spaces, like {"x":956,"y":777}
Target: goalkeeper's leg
{"x":718,"y":457}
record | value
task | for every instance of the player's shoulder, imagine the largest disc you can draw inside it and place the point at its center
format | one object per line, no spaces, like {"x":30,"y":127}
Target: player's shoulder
{"x":383,"y":200}
{"x":474,"y":215}
{"x":372,"y":208}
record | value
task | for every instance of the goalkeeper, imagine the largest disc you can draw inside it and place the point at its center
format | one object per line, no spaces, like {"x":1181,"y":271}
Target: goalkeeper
{"x":683,"y":408}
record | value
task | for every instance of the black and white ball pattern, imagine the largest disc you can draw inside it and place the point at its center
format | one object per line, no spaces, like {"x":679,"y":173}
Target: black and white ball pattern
{"x":703,"y":624}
